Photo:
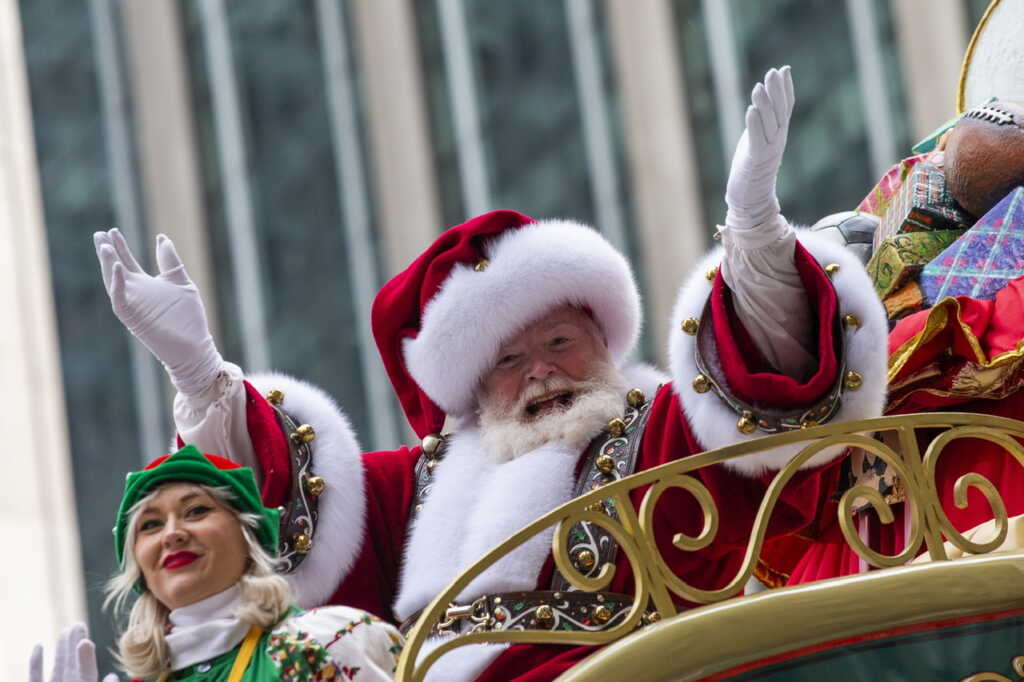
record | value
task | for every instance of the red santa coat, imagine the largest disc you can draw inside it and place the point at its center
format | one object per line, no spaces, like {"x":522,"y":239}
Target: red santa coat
{"x":383,"y":566}
{"x":962,"y":355}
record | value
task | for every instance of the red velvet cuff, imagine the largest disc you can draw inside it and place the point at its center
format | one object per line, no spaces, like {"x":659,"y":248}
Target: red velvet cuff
{"x":270,"y":445}
{"x":748,"y":374}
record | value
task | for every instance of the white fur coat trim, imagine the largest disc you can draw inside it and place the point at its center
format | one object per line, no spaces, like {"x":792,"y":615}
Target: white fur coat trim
{"x":474,"y":504}
{"x":714,"y":423}
{"x":461,"y":665}
{"x":342,"y":506}
{"x":531,"y":270}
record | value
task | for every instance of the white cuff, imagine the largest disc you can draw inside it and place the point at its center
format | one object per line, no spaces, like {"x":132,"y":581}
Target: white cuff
{"x":214,"y":419}
{"x":714,"y":422}
{"x":337,"y":459}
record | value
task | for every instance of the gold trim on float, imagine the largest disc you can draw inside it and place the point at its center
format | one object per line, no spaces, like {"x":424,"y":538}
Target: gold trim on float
{"x":969,"y":55}
{"x":790,"y":618}
{"x":657,"y":587}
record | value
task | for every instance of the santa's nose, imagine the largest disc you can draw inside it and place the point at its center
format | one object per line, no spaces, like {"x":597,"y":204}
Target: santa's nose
{"x":540,"y":369}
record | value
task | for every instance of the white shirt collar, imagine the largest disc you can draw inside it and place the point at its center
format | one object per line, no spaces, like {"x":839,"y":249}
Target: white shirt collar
{"x":205,"y":629}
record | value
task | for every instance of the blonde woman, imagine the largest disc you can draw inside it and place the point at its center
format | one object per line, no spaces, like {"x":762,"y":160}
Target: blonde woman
{"x":195,"y":543}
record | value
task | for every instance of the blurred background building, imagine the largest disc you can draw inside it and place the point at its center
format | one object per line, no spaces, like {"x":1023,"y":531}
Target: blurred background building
{"x":300,"y":153}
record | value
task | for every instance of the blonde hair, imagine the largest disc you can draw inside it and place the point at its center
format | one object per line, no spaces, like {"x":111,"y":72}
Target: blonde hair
{"x":142,"y":649}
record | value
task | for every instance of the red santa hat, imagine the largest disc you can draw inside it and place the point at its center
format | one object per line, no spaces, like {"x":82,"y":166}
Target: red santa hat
{"x":440,"y":323}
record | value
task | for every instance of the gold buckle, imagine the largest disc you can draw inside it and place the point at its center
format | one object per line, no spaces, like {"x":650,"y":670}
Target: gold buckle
{"x":477,"y":613}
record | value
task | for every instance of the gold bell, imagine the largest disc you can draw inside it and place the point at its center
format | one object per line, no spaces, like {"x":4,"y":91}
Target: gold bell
{"x":712,"y":274}
{"x":831,"y":269}
{"x":850,"y":320}
{"x":602,"y":614}
{"x":652,"y":617}
{"x":598,"y":507}
{"x":431,"y":443}
{"x":315,"y":485}
{"x":616,"y":427}
{"x":304,"y":434}
{"x":690,"y":325}
{"x":636,"y":398}
{"x":701,"y":384}
{"x":544,"y":615}
{"x":853,"y":380}
{"x":585,"y":559}
{"x":808,"y":424}
{"x":481,"y":265}
{"x":746,"y":424}
{"x":605,"y":464}
{"x":275,"y":397}
{"x":302,"y":543}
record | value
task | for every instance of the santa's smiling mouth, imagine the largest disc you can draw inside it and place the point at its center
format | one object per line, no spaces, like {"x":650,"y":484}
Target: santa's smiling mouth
{"x":561,"y":400}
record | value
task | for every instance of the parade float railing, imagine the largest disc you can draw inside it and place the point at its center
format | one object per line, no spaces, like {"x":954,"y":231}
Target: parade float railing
{"x":655,"y":583}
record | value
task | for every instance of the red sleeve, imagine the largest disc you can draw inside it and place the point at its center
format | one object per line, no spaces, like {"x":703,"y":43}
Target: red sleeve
{"x":668,"y":437}
{"x":372,"y":583}
{"x":748,"y":373}
{"x":270,"y":445}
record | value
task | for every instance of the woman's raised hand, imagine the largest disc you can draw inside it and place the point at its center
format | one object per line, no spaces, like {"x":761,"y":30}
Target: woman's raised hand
{"x":165,"y":312}
{"x":74,"y":660}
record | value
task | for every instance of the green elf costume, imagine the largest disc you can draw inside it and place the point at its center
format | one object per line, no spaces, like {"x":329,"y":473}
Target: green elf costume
{"x":208,"y":643}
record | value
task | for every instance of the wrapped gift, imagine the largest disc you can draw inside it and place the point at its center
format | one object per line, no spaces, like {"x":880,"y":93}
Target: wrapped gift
{"x":984,"y":259}
{"x":923,"y":202}
{"x":882,"y":193}
{"x":904,"y":301}
{"x":900,"y":258}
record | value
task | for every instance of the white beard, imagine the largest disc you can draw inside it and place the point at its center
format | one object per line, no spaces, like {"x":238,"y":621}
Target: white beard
{"x":505,"y":436}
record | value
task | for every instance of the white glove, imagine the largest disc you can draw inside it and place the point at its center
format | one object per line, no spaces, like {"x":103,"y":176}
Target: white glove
{"x":768,"y":294}
{"x":164,"y":312}
{"x":750,"y":192}
{"x":74,"y":661}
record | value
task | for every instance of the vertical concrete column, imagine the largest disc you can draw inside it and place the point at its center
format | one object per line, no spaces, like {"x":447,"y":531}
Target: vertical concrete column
{"x":44,"y":589}
{"x":932,"y":38}
{"x":405,"y":189}
{"x":662,"y":161}
{"x":166,"y":141}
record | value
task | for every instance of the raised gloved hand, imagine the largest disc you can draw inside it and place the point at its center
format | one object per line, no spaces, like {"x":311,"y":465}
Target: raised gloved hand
{"x":164,"y":312}
{"x":74,"y":661}
{"x":750,"y":193}
{"x":758,"y":267}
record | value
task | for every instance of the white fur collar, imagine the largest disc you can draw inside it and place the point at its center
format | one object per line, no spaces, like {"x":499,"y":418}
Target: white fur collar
{"x":473,"y":505}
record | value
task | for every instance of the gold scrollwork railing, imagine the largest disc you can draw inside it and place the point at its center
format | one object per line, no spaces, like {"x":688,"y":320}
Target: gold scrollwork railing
{"x":655,"y":581}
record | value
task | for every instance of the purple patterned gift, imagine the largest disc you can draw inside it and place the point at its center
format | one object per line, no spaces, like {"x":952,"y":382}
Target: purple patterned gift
{"x":984,"y":259}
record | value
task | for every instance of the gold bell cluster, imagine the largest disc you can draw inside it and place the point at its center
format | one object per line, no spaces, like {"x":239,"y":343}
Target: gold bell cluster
{"x":303,"y":435}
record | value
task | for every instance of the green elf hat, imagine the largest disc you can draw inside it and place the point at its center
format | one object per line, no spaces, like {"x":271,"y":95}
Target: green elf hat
{"x":189,"y":464}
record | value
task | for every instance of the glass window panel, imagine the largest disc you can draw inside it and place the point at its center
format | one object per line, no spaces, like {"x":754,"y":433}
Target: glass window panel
{"x":529,"y":108}
{"x":76,"y":188}
{"x":827,"y":165}
{"x":702,"y":109}
{"x":309,"y":310}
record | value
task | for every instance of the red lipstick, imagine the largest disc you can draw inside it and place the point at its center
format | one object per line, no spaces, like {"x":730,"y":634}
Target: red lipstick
{"x":179,"y":559}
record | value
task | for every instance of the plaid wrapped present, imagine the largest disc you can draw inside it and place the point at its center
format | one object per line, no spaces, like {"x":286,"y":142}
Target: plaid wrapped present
{"x":923,"y":202}
{"x":901,"y":257}
{"x":984,"y":259}
{"x":882,"y":193}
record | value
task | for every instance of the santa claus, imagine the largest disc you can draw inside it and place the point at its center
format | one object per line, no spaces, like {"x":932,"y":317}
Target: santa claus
{"x":517,"y":331}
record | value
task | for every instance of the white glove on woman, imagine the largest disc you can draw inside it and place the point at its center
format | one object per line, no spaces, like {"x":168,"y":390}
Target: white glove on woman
{"x":75,"y":660}
{"x":164,"y":312}
{"x":768,"y":296}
